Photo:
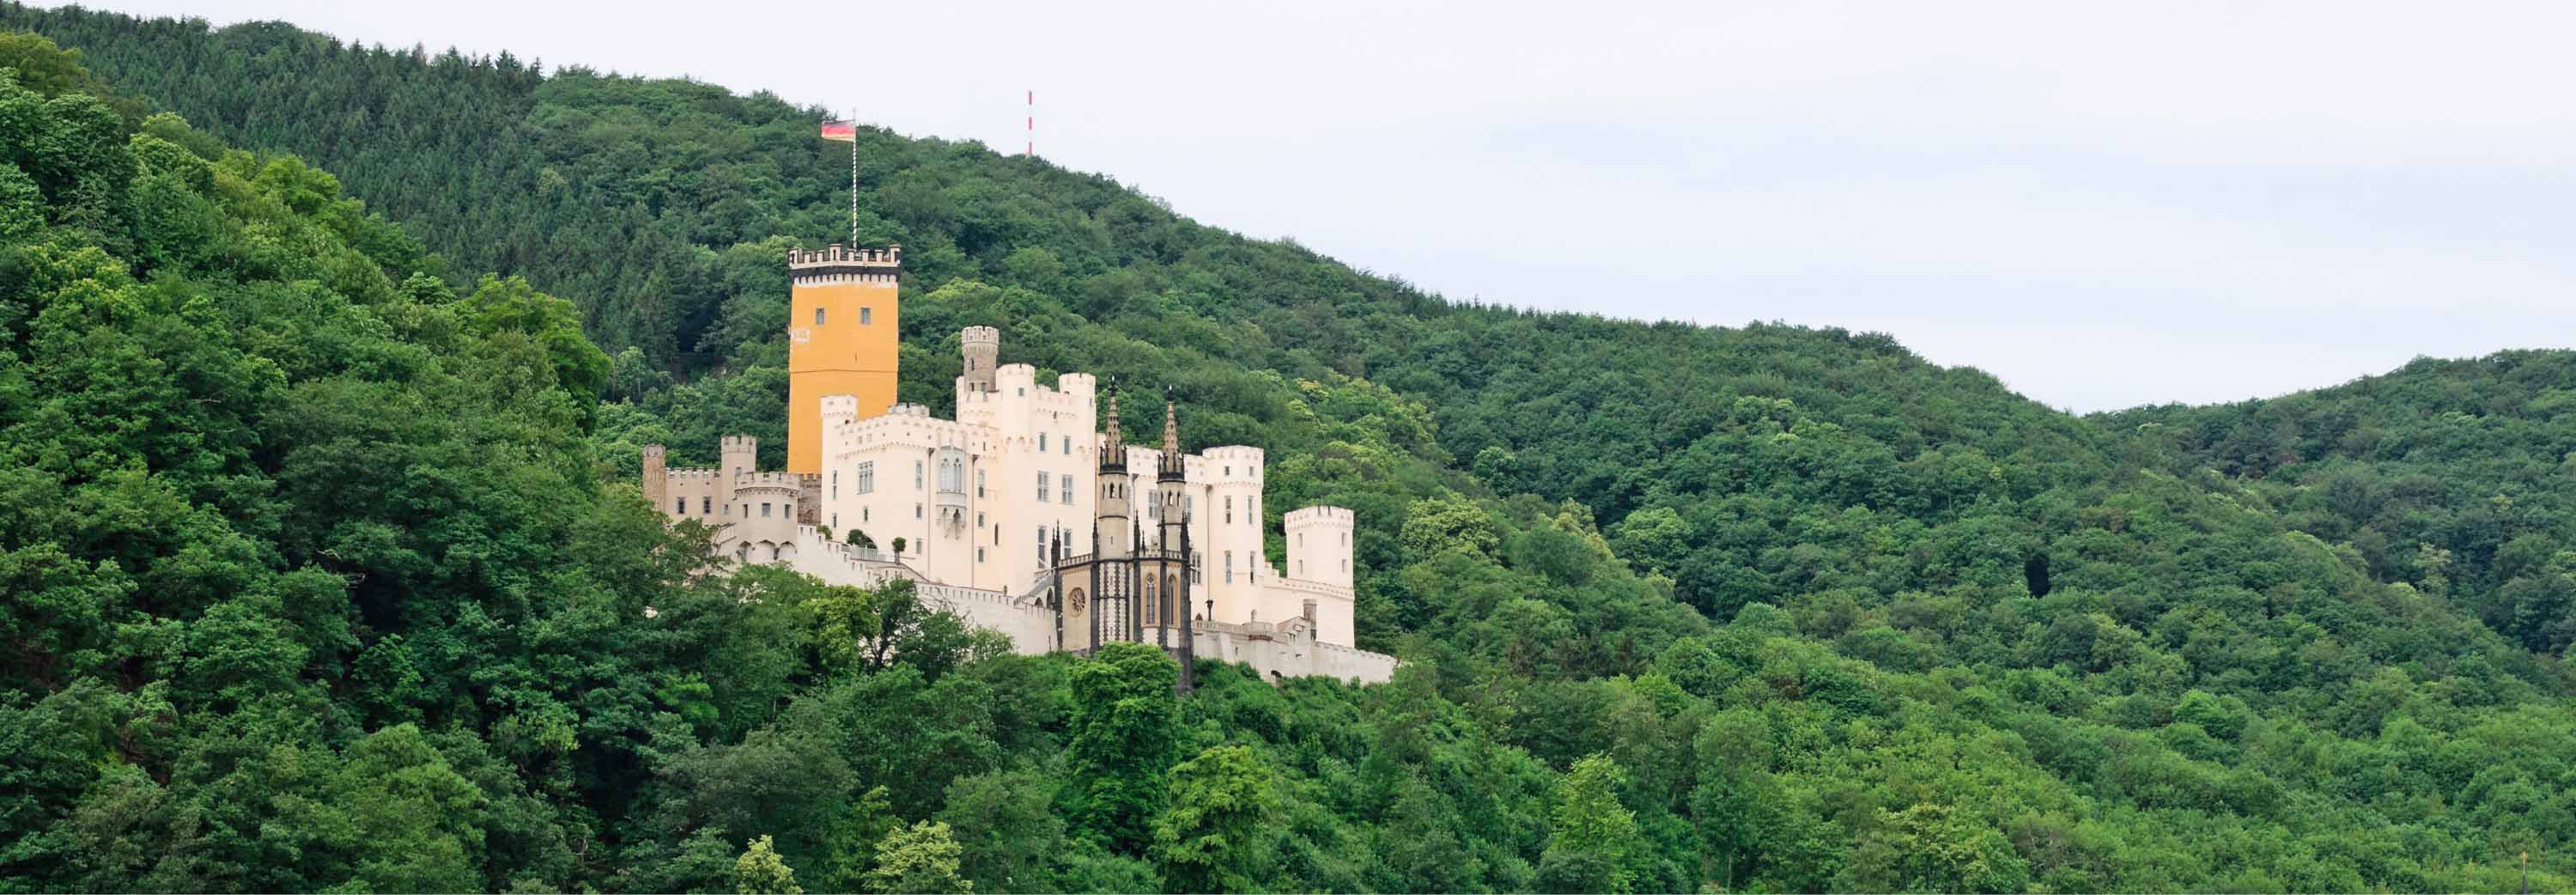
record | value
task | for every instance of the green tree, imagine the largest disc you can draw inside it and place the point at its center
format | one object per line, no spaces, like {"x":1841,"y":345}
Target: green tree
{"x":1592,"y":836}
{"x":1123,"y":743}
{"x":1209,"y":840}
{"x":922,"y":858}
{"x":761,"y":872}
{"x":1007,"y":833}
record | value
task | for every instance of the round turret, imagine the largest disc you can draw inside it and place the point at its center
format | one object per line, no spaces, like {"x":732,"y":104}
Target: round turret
{"x":983,"y":350}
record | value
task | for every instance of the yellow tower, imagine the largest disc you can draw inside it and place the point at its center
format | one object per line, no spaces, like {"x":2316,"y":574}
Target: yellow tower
{"x":841,"y":327}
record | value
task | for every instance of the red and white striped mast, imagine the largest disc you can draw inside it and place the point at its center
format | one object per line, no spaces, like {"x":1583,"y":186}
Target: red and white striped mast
{"x":854,"y":178}
{"x":1031,"y":148}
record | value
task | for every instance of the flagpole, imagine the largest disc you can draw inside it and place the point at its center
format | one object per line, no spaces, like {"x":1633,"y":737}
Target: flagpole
{"x":854,"y":178}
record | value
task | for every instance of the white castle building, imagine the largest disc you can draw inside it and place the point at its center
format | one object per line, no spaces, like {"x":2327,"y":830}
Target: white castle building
{"x":1022,"y":514}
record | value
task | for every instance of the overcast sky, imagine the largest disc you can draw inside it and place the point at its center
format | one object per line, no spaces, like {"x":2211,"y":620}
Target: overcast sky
{"x":2103,"y":207}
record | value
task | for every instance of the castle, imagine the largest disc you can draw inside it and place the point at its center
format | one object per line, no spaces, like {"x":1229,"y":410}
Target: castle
{"x":1022,"y":514}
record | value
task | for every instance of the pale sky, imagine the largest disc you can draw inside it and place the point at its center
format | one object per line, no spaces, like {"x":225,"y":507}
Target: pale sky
{"x":2101,"y":206}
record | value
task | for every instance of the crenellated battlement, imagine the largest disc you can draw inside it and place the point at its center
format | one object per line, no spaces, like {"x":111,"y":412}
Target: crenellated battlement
{"x":836,"y":264}
{"x":1319,"y":516}
{"x":768,"y":481}
{"x":1232,"y":464}
{"x":837,"y":255}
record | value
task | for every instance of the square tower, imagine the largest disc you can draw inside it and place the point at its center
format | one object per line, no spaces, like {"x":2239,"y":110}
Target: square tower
{"x":843,"y":325}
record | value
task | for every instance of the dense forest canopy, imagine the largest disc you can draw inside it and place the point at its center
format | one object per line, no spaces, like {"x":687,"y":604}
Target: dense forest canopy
{"x":323,"y":570}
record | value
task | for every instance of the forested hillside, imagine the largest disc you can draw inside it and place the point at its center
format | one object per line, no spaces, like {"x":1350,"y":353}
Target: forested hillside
{"x":324,"y":571}
{"x":2457,"y":478}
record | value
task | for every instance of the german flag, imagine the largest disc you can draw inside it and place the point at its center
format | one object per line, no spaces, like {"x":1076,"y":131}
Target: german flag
{"x":843,"y":129}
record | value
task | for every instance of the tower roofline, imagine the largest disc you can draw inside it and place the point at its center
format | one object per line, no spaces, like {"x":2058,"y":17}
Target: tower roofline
{"x":838,"y":260}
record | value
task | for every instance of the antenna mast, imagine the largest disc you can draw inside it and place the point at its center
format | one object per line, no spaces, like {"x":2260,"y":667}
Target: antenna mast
{"x":1031,"y":148}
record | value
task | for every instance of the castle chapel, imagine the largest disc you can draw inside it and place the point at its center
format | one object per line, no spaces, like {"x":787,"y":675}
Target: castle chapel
{"x":1023,"y":514}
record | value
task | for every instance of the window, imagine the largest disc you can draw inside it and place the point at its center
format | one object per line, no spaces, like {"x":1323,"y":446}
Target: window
{"x":863,"y":514}
{"x":1067,"y":492}
{"x":836,"y":520}
{"x":867,"y":315}
{"x":867,"y":478}
{"x":979,"y":554}
{"x":764,"y":509}
{"x":1310,"y":610}
{"x":916,"y":475}
{"x":979,"y":483}
{"x":836,"y":483}
{"x":706,"y":506}
{"x":1252,"y":510}
{"x":916,"y":511}
{"x":1042,"y":486}
{"x":979,"y":518}
{"x":1189,"y":509}
{"x":1068,"y":446}
{"x":1198,"y":567}
{"x":682,"y":509}
{"x":1042,"y":545}
{"x":1041,"y":442}
{"x":1229,"y":567}
{"x":1229,"y":511}
{"x":818,"y":316}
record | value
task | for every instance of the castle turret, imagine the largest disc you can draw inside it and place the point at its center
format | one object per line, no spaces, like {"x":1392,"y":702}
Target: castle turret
{"x":1227,"y":532}
{"x":983,"y":348}
{"x":737,"y":456}
{"x":1319,"y":551}
{"x":842,"y":325}
{"x":1319,"y":545}
{"x":657,"y":482}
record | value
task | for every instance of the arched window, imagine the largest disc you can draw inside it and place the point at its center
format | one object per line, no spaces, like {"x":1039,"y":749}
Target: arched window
{"x":1153,"y":607}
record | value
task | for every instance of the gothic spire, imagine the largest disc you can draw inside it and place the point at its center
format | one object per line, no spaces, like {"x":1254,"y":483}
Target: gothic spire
{"x":1113,"y":452}
{"x":1171,"y":434}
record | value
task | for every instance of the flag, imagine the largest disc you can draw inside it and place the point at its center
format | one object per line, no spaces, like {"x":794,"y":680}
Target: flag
{"x":842,"y":129}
